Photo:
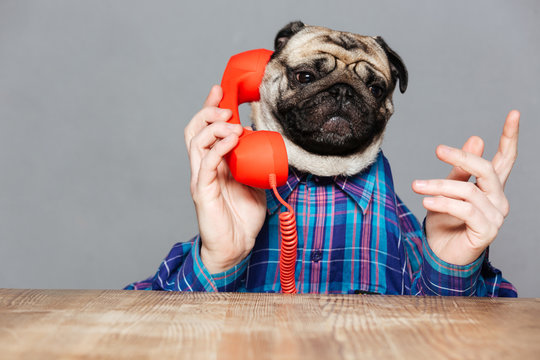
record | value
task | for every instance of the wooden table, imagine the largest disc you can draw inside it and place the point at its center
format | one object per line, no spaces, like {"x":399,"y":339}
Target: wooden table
{"x":53,"y":324}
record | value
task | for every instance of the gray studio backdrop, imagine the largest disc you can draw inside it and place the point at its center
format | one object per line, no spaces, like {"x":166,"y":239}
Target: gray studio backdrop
{"x":94,"y":97}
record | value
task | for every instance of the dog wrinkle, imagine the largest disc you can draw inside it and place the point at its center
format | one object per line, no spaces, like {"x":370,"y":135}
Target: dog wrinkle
{"x":345,"y":41}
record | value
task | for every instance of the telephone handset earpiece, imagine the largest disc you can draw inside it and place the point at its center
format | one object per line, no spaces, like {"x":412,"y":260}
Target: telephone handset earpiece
{"x":258,"y":153}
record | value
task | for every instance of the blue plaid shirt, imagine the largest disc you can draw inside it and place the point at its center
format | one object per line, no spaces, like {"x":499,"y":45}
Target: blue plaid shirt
{"x":354,"y":236}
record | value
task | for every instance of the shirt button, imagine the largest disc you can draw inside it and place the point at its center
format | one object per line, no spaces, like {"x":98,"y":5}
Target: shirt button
{"x":324,"y":180}
{"x":316,"y":255}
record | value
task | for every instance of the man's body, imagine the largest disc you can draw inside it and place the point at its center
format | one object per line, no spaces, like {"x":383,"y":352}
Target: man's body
{"x":236,"y":248}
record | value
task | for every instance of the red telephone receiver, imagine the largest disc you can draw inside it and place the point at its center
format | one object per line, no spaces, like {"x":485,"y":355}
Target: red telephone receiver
{"x":260,"y":158}
{"x":258,"y":153}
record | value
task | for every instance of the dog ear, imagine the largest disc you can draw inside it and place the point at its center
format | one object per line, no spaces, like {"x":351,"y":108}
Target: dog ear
{"x":399,"y":71}
{"x":286,"y":33}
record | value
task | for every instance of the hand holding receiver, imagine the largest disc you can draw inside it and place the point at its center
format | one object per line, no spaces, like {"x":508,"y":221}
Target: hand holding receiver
{"x":230,"y":214}
{"x":258,"y":153}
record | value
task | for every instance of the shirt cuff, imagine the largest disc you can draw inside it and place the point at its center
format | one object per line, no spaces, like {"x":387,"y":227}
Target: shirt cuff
{"x":444,"y":279}
{"x":229,"y":280}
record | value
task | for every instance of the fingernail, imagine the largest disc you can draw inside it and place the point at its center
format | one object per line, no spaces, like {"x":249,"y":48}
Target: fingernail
{"x":420,"y":183}
{"x":445,"y":149}
{"x":429,"y":201}
{"x":235,"y":127}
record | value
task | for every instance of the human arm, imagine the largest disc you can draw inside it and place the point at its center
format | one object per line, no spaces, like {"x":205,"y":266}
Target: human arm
{"x":229,"y":214}
{"x":183,"y":270}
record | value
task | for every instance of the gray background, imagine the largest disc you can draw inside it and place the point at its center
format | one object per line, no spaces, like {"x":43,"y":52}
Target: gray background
{"x":94,"y":97}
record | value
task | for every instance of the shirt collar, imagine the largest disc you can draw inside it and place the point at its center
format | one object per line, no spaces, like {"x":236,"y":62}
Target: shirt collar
{"x":359,"y":187}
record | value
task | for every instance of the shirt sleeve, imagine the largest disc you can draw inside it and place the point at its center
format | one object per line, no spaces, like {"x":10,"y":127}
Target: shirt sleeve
{"x":431,"y":275}
{"x":183,"y":270}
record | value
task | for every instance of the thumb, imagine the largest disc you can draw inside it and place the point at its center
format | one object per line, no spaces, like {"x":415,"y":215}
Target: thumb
{"x":473,"y":145}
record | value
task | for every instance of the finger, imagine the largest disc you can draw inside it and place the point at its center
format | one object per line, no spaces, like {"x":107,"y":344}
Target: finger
{"x":202,"y":143}
{"x":209,"y":164}
{"x":202,"y":119}
{"x":210,"y":134}
{"x":214,"y":96}
{"x":486,"y":177}
{"x":506,"y":155}
{"x":473,"y":218}
{"x":206,"y":116}
{"x":465,"y":191}
{"x":474,"y":145}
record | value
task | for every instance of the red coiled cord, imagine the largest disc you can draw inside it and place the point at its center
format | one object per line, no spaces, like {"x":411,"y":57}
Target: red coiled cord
{"x":289,"y":243}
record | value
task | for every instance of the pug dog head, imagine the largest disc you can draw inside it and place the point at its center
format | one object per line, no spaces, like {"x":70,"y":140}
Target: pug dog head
{"x":329,"y":94}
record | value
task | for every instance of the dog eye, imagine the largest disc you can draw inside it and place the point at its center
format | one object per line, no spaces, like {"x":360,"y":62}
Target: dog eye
{"x":377,"y":91}
{"x":304,"y":77}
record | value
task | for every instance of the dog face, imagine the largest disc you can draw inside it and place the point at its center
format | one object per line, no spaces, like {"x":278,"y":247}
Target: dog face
{"x":329,"y":93}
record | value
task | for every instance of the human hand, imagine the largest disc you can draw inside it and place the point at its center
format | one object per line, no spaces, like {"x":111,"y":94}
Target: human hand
{"x":230,"y":214}
{"x":464,"y":218}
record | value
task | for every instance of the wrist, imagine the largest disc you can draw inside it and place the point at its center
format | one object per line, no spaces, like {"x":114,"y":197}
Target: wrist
{"x":439,"y":277}
{"x":456,"y":255}
{"x":218,"y":263}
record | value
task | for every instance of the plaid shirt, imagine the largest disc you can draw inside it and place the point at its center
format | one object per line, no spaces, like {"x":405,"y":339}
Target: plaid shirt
{"x":354,"y":236}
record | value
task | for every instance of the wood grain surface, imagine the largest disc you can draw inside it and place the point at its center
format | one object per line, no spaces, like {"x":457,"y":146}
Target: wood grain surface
{"x":77,"y":324}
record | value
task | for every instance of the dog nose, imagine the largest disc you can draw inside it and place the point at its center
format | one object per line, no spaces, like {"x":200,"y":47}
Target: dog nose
{"x":342,"y":92}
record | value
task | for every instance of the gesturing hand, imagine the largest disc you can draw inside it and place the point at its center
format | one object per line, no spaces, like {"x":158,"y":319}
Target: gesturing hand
{"x":230,"y":214}
{"x":464,"y":218}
